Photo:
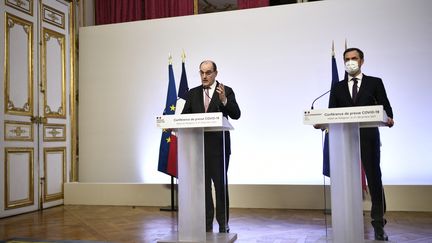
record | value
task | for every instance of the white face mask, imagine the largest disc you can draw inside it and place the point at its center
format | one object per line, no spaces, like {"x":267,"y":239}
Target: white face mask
{"x":351,"y":67}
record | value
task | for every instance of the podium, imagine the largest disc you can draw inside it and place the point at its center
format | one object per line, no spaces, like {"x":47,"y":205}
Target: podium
{"x":344,"y":146}
{"x":191,"y":190}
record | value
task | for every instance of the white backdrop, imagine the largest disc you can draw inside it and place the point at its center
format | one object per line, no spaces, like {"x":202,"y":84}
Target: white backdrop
{"x":277,"y":60}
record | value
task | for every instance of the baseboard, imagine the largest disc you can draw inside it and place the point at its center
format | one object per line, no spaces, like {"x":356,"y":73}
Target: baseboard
{"x":399,"y":197}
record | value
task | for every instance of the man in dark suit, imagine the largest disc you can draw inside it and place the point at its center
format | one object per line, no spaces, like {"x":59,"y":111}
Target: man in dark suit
{"x":358,"y":89}
{"x":213,"y":96}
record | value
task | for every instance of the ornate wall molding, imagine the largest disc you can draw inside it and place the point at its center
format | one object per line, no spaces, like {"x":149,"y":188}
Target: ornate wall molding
{"x":54,"y":173}
{"x":18,"y":161}
{"x":25,"y":6}
{"x":54,"y":132}
{"x":53,"y":16}
{"x":18,"y":131}
{"x":18,"y":72}
{"x":54,"y":77}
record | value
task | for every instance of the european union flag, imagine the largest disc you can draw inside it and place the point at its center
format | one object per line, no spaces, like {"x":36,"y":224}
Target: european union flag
{"x":168,"y":146}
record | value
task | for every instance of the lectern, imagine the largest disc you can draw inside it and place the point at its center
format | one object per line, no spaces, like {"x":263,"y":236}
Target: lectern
{"x":345,"y":169}
{"x":191,"y":203}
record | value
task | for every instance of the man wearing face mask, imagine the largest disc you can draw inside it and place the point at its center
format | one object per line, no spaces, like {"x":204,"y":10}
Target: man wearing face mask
{"x":358,"y":89}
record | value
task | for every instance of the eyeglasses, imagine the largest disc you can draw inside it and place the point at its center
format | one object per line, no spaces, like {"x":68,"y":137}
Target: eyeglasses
{"x":208,"y":73}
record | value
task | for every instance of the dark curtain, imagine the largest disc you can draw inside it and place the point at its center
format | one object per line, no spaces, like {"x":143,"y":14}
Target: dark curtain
{"x":168,"y":8}
{"x":117,"y":11}
{"x":242,"y":4}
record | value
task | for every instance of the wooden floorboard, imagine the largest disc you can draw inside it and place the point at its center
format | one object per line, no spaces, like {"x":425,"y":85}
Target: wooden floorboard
{"x":149,"y":224}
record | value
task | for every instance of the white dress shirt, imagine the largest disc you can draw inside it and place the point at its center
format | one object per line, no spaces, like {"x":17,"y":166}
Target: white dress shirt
{"x":351,"y":82}
{"x":211,"y":90}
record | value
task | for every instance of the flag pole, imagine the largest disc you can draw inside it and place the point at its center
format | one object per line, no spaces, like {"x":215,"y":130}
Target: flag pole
{"x":183,"y":56}
{"x":172,"y":207}
{"x":333,"y":51}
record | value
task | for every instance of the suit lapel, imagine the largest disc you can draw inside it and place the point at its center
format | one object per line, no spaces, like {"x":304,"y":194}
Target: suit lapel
{"x":363,"y":86}
{"x":347,"y":92}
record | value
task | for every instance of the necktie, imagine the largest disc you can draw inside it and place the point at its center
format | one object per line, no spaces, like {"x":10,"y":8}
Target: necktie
{"x":206,"y":99}
{"x":354,"y":89}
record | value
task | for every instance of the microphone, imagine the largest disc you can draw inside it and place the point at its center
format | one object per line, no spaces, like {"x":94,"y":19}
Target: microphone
{"x":312,"y":106}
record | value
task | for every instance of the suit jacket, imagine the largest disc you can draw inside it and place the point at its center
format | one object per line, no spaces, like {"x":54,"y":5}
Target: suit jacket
{"x":195,"y":104}
{"x":371,"y":92}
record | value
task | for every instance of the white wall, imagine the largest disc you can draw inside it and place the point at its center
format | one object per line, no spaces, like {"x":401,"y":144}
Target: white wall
{"x":277,"y":59}
{"x":399,"y":198}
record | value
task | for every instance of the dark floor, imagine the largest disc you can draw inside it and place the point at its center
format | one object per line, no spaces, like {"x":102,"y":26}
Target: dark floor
{"x":149,"y":224}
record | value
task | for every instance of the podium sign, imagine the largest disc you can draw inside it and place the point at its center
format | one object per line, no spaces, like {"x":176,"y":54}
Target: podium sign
{"x":209,"y":121}
{"x":191,"y":190}
{"x":345,"y":167}
{"x":367,"y":116}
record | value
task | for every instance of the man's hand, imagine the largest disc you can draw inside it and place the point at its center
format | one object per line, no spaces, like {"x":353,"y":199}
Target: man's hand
{"x":221,"y":91}
{"x":319,"y":126}
{"x":390,"y":122}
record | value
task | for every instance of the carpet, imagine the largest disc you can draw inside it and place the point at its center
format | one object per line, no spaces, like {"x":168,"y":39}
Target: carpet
{"x":25,"y":240}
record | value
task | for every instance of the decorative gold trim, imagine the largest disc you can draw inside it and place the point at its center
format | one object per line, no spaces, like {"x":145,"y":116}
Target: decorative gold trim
{"x":49,"y":111}
{"x":27,"y":109}
{"x":195,"y":6}
{"x":53,"y":16}
{"x":18,"y":4}
{"x":30,"y":198}
{"x":11,"y":106}
{"x":47,"y":34}
{"x":17,"y":129}
{"x":73,"y":91}
{"x":55,"y":196}
{"x":52,"y":130}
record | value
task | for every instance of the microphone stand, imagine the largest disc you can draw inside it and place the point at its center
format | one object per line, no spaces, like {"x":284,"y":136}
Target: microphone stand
{"x":313,"y":102}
